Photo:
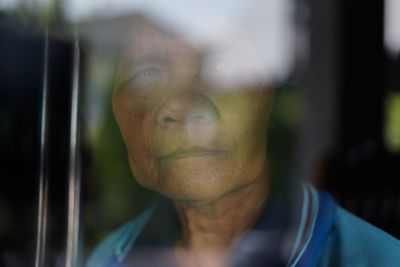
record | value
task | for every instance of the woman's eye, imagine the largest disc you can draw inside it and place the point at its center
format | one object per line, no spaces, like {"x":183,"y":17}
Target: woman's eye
{"x":151,"y":77}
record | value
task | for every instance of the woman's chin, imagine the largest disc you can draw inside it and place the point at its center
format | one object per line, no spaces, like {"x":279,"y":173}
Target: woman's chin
{"x":197,"y":187}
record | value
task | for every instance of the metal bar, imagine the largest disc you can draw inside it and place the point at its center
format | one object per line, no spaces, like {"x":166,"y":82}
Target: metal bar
{"x":74,"y":167}
{"x":41,"y":237}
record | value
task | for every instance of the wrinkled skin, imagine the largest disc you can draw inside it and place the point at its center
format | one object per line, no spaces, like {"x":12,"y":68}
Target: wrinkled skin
{"x":186,"y":138}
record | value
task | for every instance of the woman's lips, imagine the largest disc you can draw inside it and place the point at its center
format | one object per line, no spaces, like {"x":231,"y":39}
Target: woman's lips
{"x":181,"y":153}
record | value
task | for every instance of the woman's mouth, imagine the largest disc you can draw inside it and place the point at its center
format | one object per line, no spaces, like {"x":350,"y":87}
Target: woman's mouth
{"x":182,"y":153}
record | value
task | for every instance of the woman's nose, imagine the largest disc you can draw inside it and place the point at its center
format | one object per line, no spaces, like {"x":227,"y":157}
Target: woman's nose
{"x":186,"y":107}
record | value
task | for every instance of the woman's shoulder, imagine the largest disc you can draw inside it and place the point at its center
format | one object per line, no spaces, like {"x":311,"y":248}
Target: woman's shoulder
{"x":354,"y":242}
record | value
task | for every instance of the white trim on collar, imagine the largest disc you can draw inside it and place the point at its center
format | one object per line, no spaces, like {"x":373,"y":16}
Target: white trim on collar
{"x":308,"y":217}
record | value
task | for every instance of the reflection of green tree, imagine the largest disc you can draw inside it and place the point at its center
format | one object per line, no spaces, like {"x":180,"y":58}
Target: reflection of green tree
{"x":392,"y":123}
{"x":283,"y":129}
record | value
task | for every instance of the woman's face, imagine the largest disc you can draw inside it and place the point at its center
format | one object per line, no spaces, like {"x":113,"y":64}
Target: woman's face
{"x":191,"y":132}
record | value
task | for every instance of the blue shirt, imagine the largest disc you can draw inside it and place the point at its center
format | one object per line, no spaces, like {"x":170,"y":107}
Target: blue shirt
{"x":299,"y":227}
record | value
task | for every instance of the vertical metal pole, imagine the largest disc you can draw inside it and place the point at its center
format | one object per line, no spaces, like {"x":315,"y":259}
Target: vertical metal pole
{"x":74,"y":167}
{"x":41,"y":237}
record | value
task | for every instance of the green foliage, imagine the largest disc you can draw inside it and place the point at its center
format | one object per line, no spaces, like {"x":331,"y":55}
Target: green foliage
{"x":392,"y":123}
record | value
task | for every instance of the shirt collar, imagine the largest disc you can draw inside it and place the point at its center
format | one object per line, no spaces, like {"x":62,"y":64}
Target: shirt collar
{"x":280,"y":236}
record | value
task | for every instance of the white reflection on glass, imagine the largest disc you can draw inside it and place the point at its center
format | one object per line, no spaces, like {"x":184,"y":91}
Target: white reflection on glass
{"x":392,"y":29}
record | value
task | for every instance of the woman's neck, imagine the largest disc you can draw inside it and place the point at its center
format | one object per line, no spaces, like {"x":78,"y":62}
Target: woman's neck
{"x":210,"y":228}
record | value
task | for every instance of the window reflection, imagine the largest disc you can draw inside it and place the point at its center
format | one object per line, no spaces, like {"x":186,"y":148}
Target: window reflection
{"x":168,"y":91}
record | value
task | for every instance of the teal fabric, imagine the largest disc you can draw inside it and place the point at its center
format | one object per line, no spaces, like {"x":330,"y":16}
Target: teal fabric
{"x":113,"y":247}
{"x":323,"y":224}
{"x":356,"y":243}
{"x":351,"y":242}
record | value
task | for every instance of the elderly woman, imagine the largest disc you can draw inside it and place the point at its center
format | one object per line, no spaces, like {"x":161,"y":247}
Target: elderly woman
{"x":194,"y":116}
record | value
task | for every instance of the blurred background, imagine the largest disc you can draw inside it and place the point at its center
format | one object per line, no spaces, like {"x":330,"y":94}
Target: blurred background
{"x":336,"y":120}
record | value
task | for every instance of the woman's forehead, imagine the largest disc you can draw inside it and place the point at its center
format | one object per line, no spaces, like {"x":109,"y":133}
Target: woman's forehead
{"x":149,"y":38}
{"x":146,"y":39}
{"x":149,"y":43}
